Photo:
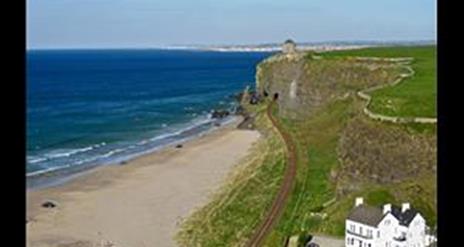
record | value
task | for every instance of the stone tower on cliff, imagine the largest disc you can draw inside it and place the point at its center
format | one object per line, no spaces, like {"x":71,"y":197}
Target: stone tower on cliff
{"x":289,"y":46}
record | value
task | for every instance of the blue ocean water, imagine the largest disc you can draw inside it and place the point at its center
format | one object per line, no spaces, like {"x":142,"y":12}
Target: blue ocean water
{"x":89,"y":107}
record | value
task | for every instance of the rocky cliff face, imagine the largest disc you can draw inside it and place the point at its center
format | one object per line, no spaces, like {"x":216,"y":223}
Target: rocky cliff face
{"x":303,"y":82}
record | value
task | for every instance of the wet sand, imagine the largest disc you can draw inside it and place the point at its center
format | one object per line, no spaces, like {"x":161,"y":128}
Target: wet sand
{"x":138,"y":204}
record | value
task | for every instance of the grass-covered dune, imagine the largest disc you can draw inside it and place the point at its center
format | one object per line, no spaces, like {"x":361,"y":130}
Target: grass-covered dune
{"x":341,"y":154}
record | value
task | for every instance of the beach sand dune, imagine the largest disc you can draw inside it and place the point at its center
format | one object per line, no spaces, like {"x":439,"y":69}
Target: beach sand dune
{"x":138,"y":204}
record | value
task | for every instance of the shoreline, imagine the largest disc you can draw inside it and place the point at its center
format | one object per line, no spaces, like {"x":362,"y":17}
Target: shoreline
{"x":140,"y":203}
{"x":63,"y":175}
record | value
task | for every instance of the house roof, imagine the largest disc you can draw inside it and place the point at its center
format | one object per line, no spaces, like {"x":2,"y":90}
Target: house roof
{"x":289,"y":41}
{"x":366,"y":214}
{"x":372,"y":216}
{"x":404,"y":218}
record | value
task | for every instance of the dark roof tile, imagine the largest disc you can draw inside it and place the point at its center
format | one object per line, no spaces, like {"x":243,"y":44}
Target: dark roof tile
{"x":289,"y":41}
{"x":373,"y":215}
{"x":405,"y":218}
{"x":366,"y":214}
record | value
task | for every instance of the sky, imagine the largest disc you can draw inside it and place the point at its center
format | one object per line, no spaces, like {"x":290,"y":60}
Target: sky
{"x":155,"y":23}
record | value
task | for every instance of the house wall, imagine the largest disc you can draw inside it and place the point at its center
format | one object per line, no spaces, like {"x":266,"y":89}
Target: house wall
{"x":416,"y":232}
{"x":359,"y":239}
{"x":387,"y":231}
{"x":288,"y":48}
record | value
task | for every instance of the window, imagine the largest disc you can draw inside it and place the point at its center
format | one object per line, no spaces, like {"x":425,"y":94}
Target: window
{"x":352,"y":241}
{"x":352,"y":228}
{"x":347,"y":241}
{"x":360,"y":230}
{"x":378,"y":234}
{"x":387,"y":222}
{"x":368,"y":245}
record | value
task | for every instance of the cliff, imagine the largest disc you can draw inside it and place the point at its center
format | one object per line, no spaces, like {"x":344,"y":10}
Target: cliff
{"x":304,"y":82}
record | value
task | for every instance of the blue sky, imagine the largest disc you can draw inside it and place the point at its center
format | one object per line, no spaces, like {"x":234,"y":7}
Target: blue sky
{"x":152,"y":23}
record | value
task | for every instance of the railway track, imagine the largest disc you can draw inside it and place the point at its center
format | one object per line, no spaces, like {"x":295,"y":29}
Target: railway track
{"x":278,"y":205}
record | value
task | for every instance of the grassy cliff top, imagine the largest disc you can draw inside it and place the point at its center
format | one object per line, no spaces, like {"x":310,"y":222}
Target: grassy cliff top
{"x":415,"y":96}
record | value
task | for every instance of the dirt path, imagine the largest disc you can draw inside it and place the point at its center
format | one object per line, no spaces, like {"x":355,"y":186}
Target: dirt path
{"x":327,"y":241}
{"x":364,"y":94}
{"x":279,"y":202}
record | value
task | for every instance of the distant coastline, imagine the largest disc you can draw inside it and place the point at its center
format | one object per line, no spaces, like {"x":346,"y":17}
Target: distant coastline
{"x":305,"y":46}
{"x":266,"y":47}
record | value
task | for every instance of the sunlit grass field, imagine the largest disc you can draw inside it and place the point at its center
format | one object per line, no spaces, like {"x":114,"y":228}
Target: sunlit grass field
{"x":413,"y":97}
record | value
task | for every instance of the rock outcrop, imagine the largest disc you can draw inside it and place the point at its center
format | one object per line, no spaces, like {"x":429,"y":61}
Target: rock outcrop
{"x":304,"y":82}
{"x":219,"y":113}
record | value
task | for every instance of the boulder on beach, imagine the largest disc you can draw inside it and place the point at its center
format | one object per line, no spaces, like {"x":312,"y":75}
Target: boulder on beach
{"x":239,"y":110}
{"x":220,"y":113}
{"x":49,"y":204}
{"x":238,"y":96}
{"x":179,"y":146}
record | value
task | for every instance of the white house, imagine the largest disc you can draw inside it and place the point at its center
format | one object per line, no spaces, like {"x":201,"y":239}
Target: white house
{"x":389,"y":226}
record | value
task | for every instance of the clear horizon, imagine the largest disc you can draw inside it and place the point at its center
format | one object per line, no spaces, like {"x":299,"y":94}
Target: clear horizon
{"x":222,"y":45}
{"x":139,"y":24}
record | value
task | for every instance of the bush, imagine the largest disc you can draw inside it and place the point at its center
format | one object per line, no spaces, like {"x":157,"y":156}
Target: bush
{"x":304,"y":238}
{"x":317,"y":209}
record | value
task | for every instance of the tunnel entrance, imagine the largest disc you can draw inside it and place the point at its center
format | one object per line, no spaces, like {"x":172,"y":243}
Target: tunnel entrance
{"x":276,"y":96}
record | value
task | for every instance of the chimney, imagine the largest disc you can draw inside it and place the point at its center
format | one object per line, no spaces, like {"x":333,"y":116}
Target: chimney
{"x":359,"y":201}
{"x":405,"y":206}
{"x":387,"y":208}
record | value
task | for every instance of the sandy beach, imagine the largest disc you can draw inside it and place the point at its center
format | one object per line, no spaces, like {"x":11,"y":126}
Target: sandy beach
{"x":138,"y":204}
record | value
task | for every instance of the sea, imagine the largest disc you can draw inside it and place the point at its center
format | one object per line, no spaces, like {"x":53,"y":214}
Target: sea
{"x":87,"y":108}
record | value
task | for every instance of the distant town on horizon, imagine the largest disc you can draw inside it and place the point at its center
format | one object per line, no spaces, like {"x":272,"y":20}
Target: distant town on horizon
{"x":269,"y":46}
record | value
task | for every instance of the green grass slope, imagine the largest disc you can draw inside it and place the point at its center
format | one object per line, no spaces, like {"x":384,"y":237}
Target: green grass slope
{"x":341,"y":154}
{"x":415,"y":96}
{"x":234,"y":212}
